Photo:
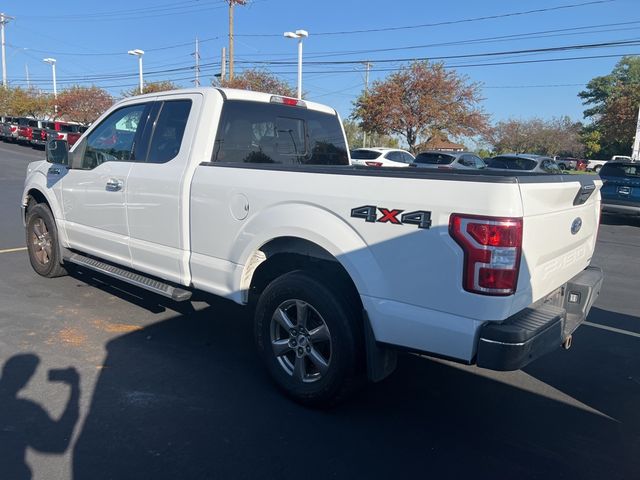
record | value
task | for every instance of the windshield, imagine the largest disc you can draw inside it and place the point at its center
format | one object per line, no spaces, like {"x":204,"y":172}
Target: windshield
{"x":364,"y":154}
{"x":434,"y":158}
{"x":512,"y":163}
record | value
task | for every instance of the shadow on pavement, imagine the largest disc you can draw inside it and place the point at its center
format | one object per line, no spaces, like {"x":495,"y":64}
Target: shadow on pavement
{"x":608,"y":219}
{"x":24,"y":423}
{"x":187,"y":398}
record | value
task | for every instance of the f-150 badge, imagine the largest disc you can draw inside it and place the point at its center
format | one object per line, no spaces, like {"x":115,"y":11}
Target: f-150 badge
{"x":373,"y":213}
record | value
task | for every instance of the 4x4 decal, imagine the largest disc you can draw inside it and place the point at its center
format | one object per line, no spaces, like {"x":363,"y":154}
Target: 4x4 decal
{"x":369,"y":213}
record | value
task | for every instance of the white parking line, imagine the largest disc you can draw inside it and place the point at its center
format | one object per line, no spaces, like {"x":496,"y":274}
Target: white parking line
{"x":613,"y":329}
{"x":11,"y":250}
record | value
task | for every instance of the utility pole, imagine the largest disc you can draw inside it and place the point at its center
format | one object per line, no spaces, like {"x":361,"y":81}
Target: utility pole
{"x":367,"y":66}
{"x":223,"y":64}
{"x":635,"y":154}
{"x":231,"y":4}
{"x":197,"y":57}
{"x":4,"y":19}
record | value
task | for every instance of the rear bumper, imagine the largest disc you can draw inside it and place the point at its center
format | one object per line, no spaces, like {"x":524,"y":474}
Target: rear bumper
{"x":541,"y":328}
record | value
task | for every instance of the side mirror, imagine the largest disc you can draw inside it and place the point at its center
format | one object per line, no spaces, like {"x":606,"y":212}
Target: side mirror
{"x":58,"y":152}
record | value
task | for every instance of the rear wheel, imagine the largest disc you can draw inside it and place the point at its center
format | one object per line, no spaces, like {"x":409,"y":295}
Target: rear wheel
{"x":310,"y":339}
{"x":42,"y":242}
{"x":597,"y":168}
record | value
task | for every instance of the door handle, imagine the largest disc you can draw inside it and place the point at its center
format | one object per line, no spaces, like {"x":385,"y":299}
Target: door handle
{"x":114,"y":185}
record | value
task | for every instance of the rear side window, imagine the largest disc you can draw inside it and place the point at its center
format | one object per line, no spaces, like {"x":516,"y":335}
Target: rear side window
{"x":364,"y":154}
{"x":169,"y":130}
{"x":619,"y":170}
{"x":255,"y":132}
{"x":434,"y":158}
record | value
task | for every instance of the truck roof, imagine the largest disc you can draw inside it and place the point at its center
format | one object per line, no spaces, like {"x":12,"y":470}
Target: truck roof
{"x":236,"y":94}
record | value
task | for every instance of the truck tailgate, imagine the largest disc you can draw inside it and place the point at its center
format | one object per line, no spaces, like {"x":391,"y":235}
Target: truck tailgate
{"x":559,"y":231}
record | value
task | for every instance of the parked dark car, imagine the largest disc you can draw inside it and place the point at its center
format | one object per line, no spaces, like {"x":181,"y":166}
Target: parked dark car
{"x":621,"y":189}
{"x":39,"y":134}
{"x":570,"y":163}
{"x":524,"y":162}
{"x":448,"y":160}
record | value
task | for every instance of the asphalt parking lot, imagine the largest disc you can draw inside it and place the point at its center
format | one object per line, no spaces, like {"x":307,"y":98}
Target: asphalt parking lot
{"x":174,"y":391}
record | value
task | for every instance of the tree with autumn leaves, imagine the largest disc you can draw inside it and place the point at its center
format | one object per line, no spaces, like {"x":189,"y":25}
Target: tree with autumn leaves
{"x":83,"y":104}
{"x":258,"y":81}
{"x":422,"y":101}
{"x":77,"y":104}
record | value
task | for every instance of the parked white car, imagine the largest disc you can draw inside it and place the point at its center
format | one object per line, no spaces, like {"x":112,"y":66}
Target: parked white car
{"x":250,"y":196}
{"x":595,"y":165}
{"x":381,"y":157}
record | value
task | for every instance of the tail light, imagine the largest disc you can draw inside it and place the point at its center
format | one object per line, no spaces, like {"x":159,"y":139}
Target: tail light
{"x":291,"y":102}
{"x":13,"y":129}
{"x":43,"y":134}
{"x":492,"y":248}
{"x":60,"y":136}
{"x":373,"y":164}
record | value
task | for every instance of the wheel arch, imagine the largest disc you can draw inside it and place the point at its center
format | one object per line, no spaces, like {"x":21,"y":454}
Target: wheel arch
{"x":289,"y":253}
{"x":36,"y":195}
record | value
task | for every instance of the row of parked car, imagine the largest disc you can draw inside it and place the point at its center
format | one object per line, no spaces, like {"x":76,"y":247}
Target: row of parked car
{"x":29,"y":131}
{"x":390,"y":157}
{"x":620,"y":175}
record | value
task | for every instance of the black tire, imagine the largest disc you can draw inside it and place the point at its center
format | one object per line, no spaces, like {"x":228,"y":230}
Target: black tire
{"x":597,"y":168}
{"x":343,"y":351}
{"x":42,"y":242}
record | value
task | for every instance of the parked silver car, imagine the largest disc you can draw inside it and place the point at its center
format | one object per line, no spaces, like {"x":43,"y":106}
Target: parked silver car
{"x":524,"y":162}
{"x":449,"y":160}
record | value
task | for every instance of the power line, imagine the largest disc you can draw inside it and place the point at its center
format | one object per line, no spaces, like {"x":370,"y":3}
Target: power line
{"x":449,"y":22}
{"x":564,"y":48}
{"x":94,"y":54}
{"x":192,"y":6}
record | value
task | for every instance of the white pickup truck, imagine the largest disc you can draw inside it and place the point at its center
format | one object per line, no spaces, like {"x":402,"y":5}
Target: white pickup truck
{"x":251,"y":197}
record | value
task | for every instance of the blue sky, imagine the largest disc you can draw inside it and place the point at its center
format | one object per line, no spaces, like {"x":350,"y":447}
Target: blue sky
{"x":90,"y":39}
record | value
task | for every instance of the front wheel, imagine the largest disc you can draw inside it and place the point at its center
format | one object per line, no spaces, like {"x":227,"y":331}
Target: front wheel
{"x":42,"y":242}
{"x":310,"y":339}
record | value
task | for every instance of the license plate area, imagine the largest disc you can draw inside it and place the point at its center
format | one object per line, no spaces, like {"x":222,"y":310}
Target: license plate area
{"x":624,"y":190}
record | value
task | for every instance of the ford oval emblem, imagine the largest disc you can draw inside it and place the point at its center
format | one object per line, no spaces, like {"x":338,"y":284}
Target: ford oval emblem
{"x":576,"y":225}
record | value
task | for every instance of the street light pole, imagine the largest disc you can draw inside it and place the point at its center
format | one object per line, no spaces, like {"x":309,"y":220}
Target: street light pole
{"x":4,"y":19}
{"x":52,"y":62}
{"x":299,"y":34}
{"x":139,"y":53}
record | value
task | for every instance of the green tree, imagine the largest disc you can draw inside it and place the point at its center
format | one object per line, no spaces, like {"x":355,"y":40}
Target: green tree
{"x":612,"y":102}
{"x":420,"y":101}
{"x":30,"y":102}
{"x":591,"y":138}
{"x":5,"y":100}
{"x":355,"y":137}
